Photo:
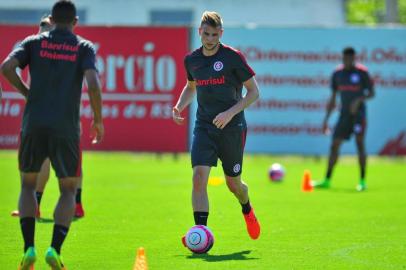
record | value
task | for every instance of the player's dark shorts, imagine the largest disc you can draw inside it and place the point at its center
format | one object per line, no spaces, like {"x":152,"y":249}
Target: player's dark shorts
{"x":65,"y":154}
{"x":348,"y":124}
{"x":227,"y":145}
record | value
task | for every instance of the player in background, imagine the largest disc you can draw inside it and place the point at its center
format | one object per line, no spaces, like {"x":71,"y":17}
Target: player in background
{"x":353,"y":84}
{"x":45,"y":25}
{"x":217,"y":73}
{"x":58,"y":60}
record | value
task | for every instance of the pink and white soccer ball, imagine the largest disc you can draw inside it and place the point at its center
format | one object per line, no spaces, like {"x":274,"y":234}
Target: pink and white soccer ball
{"x":276,"y":172}
{"x":199,"y":239}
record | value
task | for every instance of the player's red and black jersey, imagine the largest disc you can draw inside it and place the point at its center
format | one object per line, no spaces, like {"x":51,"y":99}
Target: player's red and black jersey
{"x":57,"y":61}
{"x":219,"y":81}
{"x":351,"y":84}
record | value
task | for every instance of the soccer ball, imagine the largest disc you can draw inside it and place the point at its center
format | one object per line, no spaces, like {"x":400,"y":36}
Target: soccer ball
{"x":276,"y":172}
{"x":199,"y":239}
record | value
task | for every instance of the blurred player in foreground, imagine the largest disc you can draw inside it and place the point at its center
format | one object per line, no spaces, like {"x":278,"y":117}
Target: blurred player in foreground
{"x":45,"y":25}
{"x":58,"y":60}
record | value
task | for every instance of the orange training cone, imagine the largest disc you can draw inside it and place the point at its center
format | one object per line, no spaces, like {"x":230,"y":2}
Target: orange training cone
{"x":306,"y":184}
{"x":141,"y":260}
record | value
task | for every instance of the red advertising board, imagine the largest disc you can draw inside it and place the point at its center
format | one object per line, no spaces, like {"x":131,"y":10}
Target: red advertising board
{"x":142,"y":75}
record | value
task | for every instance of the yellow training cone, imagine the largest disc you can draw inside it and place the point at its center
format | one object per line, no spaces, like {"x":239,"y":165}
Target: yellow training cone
{"x":141,"y":260}
{"x":215,"y":181}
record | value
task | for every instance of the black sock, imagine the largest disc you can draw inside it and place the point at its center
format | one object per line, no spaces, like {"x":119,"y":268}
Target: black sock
{"x":38,"y":195}
{"x":28,"y":229}
{"x":201,"y":218}
{"x":246,"y":207}
{"x":328,"y":175}
{"x":58,"y":237}
{"x":362,"y":173}
{"x":79,"y":195}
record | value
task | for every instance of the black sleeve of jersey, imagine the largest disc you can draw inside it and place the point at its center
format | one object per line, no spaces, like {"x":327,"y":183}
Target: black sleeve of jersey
{"x":89,"y":56}
{"x":242,"y":70}
{"x":22,"y":52}
{"x":189,"y":76}
{"x":333,"y":82}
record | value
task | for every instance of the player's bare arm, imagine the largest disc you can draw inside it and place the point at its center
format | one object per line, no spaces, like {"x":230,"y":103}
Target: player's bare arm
{"x":94,"y":90}
{"x":331,"y":104}
{"x":222,"y":119}
{"x":185,"y":98}
{"x":8,"y":69}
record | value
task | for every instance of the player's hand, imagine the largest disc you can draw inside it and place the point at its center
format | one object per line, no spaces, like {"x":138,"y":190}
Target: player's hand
{"x":97,"y":132}
{"x":222,"y":119}
{"x":177,"y":118}
{"x":354,"y":106}
{"x":326,"y":129}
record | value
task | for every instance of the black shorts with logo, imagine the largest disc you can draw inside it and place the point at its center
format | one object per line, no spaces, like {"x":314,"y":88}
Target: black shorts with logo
{"x":227,"y":145}
{"x":64,"y":153}
{"x":348,"y":124}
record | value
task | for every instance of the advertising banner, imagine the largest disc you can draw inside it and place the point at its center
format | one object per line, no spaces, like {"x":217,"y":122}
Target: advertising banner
{"x":142,"y":76}
{"x":293,"y":67}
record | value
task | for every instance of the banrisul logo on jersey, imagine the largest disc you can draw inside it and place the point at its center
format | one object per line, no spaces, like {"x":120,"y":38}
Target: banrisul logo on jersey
{"x":218,"y":66}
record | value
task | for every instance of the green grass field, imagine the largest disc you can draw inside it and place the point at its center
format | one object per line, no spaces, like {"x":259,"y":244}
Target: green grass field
{"x":134,"y":200}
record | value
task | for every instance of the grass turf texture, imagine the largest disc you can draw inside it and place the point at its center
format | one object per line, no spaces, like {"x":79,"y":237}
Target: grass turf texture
{"x":134,"y":200}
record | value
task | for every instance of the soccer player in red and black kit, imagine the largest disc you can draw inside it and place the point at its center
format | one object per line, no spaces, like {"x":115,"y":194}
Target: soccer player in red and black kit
{"x":58,"y":60}
{"x":46,"y":25}
{"x":354,"y":85}
{"x":217,"y":73}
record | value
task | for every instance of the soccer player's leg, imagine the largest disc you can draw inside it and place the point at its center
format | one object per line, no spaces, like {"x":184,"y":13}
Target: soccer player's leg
{"x":43,"y":178}
{"x":342,"y":132}
{"x":79,"y":211}
{"x":231,"y":149}
{"x":359,"y":130}
{"x":66,"y":160}
{"x":204,"y":156}
{"x":31,"y":154}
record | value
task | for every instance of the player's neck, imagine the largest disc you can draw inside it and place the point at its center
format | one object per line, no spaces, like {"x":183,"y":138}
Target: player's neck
{"x":64,"y":27}
{"x":211,"y":52}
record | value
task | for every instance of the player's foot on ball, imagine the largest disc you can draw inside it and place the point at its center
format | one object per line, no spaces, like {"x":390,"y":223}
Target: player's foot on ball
{"x":252,"y":223}
{"x":184,"y":241}
{"x":321,"y":184}
{"x":79,"y":212}
{"x":28,"y":260}
{"x":361,"y":186}
{"x":54,"y":260}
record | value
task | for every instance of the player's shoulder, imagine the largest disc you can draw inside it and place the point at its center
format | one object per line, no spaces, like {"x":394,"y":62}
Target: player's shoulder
{"x":84,"y":42}
{"x":195,"y":53}
{"x":231,"y":51}
{"x":361,"y":68}
{"x":32,"y":38}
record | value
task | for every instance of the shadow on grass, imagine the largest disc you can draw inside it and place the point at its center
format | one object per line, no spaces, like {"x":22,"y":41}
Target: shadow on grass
{"x":51,"y":220}
{"x":344,"y":190}
{"x":236,"y":256}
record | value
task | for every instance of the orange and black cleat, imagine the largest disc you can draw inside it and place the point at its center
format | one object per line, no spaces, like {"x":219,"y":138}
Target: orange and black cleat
{"x":253,"y":226}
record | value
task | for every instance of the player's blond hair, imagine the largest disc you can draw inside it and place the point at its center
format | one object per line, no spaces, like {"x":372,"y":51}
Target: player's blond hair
{"x":212,"y":19}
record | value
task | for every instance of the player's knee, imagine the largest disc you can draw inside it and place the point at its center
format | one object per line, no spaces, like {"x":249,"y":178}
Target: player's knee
{"x":28,"y":185}
{"x":233,"y":185}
